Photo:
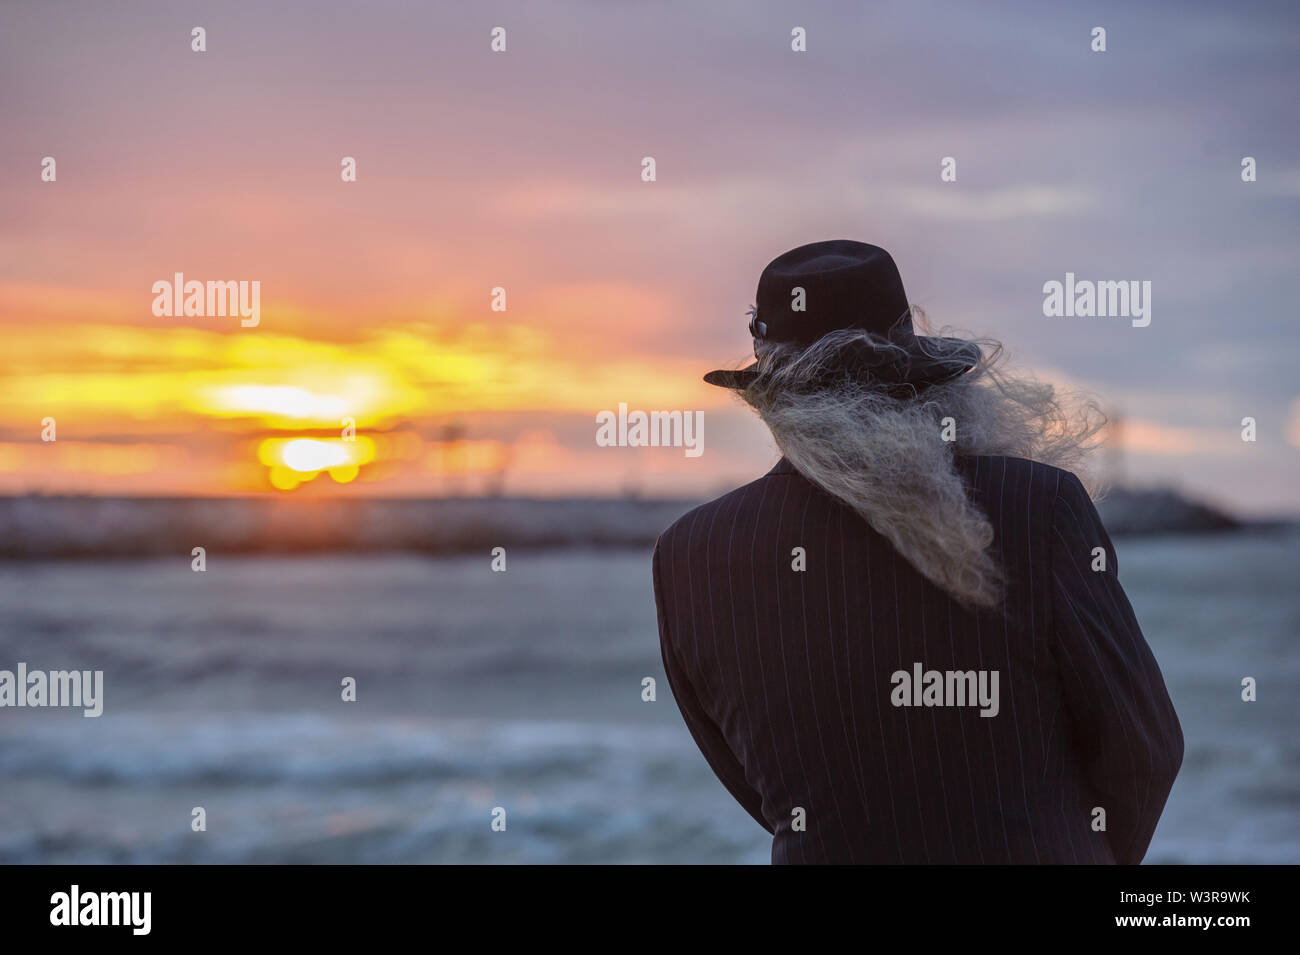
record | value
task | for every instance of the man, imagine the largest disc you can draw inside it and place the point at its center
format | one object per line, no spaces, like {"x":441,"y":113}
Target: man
{"x":907,"y":643}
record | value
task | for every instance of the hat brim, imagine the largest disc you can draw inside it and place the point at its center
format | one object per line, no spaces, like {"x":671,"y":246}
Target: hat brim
{"x":738,"y":379}
{"x":958,"y":357}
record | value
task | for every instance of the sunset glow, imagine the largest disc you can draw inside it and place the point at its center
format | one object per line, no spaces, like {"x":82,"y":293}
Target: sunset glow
{"x":497,"y":273}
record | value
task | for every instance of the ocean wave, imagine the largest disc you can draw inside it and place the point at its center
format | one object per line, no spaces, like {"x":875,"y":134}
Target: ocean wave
{"x":276,"y":749}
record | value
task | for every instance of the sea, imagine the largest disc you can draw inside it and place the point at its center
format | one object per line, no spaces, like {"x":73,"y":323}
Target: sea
{"x":515,"y":698}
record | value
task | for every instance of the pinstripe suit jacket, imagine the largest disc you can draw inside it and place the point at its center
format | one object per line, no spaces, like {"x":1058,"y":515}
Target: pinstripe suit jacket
{"x":783,"y":677}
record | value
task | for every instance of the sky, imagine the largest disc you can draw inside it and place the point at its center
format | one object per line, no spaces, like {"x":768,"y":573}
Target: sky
{"x":522,"y":170}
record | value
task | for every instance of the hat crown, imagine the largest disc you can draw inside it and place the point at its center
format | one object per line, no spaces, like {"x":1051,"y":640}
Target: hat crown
{"x":819,"y":288}
{"x":825,"y":286}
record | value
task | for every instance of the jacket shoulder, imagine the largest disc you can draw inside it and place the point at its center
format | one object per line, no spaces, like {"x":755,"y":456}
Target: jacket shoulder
{"x":990,"y":469}
{"x":678,"y":530}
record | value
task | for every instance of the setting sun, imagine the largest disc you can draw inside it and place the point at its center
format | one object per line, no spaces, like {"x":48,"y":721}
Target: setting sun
{"x":294,"y":461}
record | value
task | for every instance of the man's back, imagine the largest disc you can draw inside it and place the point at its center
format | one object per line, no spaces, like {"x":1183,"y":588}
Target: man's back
{"x":784,"y":619}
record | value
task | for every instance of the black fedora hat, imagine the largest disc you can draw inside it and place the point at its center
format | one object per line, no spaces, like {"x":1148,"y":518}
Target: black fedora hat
{"x":841,"y":284}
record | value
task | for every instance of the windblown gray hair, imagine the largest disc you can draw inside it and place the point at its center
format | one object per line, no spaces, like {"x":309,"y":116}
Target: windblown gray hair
{"x":882,"y":452}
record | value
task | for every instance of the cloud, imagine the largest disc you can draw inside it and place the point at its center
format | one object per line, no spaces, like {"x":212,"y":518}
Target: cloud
{"x":1153,"y":438}
{"x":953,"y":202}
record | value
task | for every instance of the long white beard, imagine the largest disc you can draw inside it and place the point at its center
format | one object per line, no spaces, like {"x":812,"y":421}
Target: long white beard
{"x":887,"y":457}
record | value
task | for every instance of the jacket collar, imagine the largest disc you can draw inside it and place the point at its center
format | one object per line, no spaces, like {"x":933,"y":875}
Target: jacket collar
{"x":783,"y":467}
